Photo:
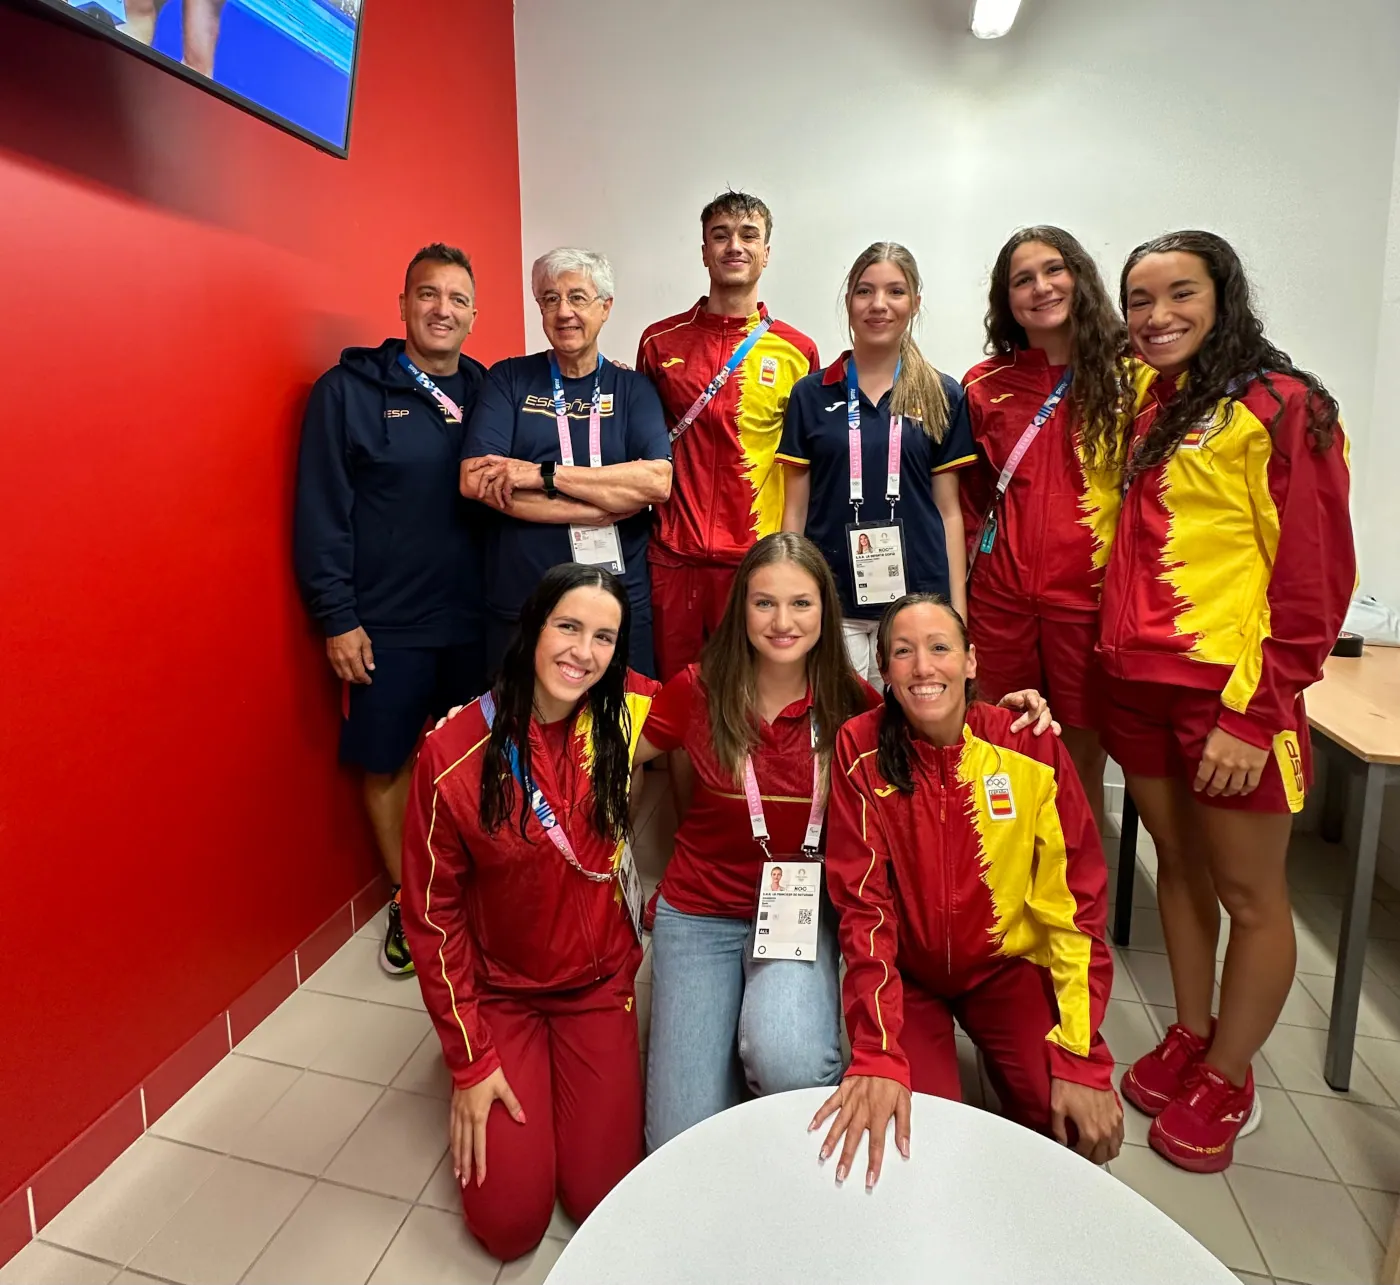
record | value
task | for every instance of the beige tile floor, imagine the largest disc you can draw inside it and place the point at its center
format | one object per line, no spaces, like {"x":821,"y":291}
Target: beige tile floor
{"x":316,"y":1152}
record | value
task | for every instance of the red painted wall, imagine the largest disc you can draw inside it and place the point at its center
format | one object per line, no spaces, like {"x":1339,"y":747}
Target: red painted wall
{"x":173,"y":276}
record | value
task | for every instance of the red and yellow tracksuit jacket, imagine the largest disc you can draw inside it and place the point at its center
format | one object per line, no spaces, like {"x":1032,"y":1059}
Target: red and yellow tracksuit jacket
{"x":1234,"y":561}
{"x":1058,"y":517}
{"x":993,"y":857}
{"x":727,"y":490}
{"x":498,"y":912}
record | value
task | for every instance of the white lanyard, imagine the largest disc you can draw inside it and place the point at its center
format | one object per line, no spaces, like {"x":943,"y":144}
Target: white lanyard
{"x":853,"y":444}
{"x":561,"y":417}
{"x":758,"y":823}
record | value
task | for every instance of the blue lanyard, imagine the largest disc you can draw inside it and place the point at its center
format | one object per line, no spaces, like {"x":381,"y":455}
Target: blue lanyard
{"x":539,"y":805}
{"x":449,"y":407}
{"x":561,"y":416}
{"x":719,"y":381}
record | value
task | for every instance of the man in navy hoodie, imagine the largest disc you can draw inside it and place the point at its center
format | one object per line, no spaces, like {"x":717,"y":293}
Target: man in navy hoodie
{"x":387,"y":554}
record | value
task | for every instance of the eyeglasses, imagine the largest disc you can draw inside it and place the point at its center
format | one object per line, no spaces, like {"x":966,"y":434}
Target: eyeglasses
{"x":577,"y":300}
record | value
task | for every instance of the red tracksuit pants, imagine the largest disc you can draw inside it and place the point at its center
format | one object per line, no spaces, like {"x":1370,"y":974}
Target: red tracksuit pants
{"x":687,"y":604}
{"x":1007,"y":1015}
{"x":575,"y":1065}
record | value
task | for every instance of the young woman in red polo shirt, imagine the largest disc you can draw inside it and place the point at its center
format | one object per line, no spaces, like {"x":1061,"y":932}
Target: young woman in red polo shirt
{"x":515,"y":905}
{"x":771,"y":691}
{"x":1058,"y":386}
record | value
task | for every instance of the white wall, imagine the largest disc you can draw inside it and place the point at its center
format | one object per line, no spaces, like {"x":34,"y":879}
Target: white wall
{"x":1380,"y":520}
{"x":1270,"y":121}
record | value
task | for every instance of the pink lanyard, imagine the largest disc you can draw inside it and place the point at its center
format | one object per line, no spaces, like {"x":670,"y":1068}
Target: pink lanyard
{"x":853,"y":449}
{"x":758,"y":823}
{"x":595,"y":414}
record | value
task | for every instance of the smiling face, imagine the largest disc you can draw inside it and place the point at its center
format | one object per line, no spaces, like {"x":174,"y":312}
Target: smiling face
{"x":1171,"y":309}
{"x":927,"y":669}
{"x":574,"y":649}
{"x":438,"y":309}
{"x":881,"y":305}
{"x":1040,"y":291}
{"x":572,"y":313}
{"x":783,"y":613}
{"x":735,"y":250}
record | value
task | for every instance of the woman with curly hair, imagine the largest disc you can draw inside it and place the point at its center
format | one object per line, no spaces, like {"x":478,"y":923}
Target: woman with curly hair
{"x":1048,"y":409}
{"x":1227,"y":587}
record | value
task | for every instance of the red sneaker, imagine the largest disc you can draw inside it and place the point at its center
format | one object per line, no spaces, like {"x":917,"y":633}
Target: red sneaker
{"x":1197,"y":1129}
{"x":1155,"y":1078}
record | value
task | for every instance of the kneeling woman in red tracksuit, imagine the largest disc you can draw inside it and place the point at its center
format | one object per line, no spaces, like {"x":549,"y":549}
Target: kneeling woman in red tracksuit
{"x":967,"y":871}
{"x":1226,"y":589}
{"x":519,"y":913}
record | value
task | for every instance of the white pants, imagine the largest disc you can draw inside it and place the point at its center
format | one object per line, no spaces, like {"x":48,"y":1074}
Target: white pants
{"x":860,"y":647}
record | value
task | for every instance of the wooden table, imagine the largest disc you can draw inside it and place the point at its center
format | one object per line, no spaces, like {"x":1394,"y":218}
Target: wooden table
{"x":1355,"y":711}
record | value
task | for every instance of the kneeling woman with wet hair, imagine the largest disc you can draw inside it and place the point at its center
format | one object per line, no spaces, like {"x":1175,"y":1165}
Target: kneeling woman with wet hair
{"x":970,"y":883}
{"x":522,"y":912}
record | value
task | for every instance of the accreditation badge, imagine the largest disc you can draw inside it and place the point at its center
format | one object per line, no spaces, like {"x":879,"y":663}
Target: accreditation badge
{"x":631,"y":883}
{"x":789,"y":903}
{"x":877,"y":561}
{"x":597,"y":546}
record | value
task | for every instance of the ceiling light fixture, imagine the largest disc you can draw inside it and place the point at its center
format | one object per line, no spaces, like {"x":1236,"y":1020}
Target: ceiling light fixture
{"x":993,"y":18}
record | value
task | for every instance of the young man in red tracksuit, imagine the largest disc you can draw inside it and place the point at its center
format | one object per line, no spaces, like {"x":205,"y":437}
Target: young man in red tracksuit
{"x":727,"y":491}
{"x":970,"y":882}
{"x":527,"y":968}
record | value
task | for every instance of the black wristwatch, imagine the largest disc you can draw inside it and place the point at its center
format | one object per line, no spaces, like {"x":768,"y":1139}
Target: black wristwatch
{"x":547,"y":477}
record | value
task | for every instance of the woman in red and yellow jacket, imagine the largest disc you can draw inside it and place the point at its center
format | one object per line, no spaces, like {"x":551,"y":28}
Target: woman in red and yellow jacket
{"x":523,"y":914}
{"x":1057,"y":379}
{"x":1228,"y":584}
{"x":968,"y":875}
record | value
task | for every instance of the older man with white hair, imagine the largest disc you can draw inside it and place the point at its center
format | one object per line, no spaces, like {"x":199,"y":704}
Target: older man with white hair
{"x":570,"y":450}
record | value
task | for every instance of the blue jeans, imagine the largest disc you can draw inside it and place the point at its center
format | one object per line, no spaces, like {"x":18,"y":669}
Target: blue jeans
{"x":725,"y":1026}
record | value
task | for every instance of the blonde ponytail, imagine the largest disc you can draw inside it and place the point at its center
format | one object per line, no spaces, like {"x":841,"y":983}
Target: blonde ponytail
{"x":918,"y":390}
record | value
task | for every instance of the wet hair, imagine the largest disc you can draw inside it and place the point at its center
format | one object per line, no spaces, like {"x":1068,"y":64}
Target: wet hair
{"x":737,"y":205}
{"x":918,"y":390}
{"x":728,"y":670}
{"x":1234,"y":352}
{"x":1102,"y":392}
{"x":514,"y":693}
{"x":895,"y":756}
{"x":439,"y":253}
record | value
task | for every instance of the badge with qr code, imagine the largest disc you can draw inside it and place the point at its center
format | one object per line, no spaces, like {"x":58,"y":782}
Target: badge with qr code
{"x":789,"y":909}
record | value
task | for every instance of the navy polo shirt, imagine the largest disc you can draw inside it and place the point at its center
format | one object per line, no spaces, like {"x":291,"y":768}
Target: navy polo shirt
{"x":514,"y":417}
{"x":815,"y":437}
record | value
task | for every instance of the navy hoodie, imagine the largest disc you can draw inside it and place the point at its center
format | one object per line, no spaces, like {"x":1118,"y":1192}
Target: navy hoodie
{"x":383,"y":536}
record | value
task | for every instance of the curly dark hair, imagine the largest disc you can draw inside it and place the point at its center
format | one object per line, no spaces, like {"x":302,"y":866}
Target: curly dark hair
{"x":514,"y":693}
{"x":1234,"y":352}
{"x":1102,"y":391}
{"x":894,"y":755}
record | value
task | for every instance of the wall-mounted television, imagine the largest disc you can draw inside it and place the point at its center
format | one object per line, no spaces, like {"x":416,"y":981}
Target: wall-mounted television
{"x":291,"y":62}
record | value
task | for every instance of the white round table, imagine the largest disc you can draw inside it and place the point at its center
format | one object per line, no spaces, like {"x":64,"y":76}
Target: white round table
{"x":741,"y":1198}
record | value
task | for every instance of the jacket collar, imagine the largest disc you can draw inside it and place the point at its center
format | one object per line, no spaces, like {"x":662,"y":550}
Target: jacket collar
{"x":709,"y":321}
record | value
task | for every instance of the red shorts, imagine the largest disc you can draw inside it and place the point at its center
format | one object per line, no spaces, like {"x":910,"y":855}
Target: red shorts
{"x":1016,"y":648}
{"x":1153,"y":729}
{"x":687,"y":604}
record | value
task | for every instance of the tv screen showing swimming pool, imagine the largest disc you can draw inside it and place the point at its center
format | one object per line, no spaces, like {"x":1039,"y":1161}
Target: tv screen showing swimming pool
{"x":289,"y":61}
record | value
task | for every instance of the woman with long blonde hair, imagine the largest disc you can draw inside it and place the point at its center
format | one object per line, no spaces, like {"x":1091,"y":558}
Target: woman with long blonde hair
{"x":870,"y":453}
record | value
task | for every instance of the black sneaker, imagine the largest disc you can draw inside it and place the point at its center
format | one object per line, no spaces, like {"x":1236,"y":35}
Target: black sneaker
{"x":395,"y":958}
